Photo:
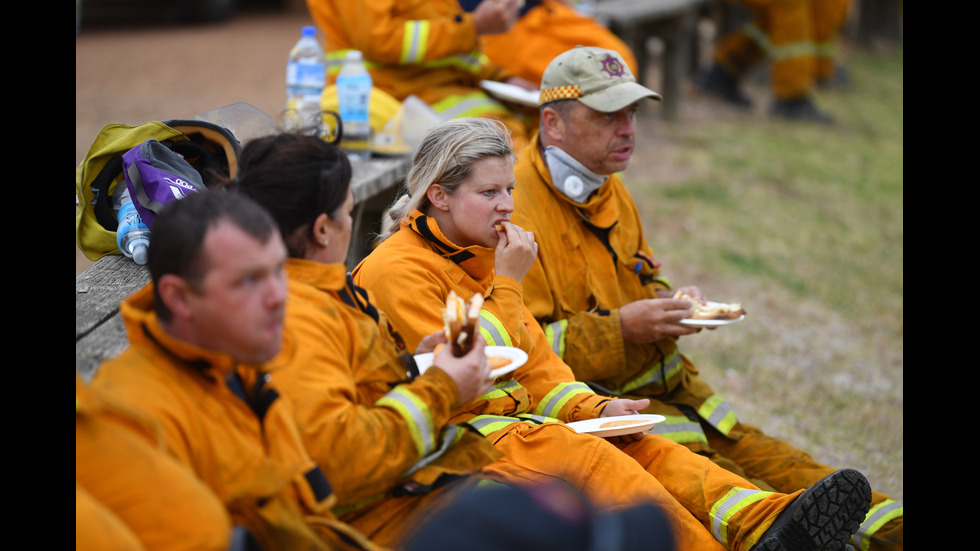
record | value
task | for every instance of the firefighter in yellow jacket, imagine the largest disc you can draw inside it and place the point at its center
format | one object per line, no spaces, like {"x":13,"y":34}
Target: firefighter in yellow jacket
{"x":400,"y":443}
{"x":545,"y":29}
{"x":596,"y":278}
{"x":198,"y":333}
{"x":799,"y":40}
{"x":451,"y":232}
{"x":129,"y":492}
{"x":428,"y":49}
{"x":383,"y":438}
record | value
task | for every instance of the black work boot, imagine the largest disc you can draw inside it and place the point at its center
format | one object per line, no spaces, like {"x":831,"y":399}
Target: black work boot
{"x":823,"y":518}
{"x":717,"y":82}
{"x":799,"y":109}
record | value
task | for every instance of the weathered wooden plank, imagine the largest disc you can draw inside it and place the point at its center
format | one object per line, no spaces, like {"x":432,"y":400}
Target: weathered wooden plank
{"x":106,"y":341}
{"x":100,"y":289}
{"x":373,"y":176}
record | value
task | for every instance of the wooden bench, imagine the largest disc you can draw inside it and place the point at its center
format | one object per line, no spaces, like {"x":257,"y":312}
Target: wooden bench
{"x":674,"y":22}
{"x":99,"y":331}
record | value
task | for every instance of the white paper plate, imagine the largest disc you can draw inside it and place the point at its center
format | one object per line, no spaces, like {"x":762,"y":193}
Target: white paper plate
{"x":710,"y":323}
{"x":516,"y":355}
{"x":509,"y":92}
{"x":639,"y":423}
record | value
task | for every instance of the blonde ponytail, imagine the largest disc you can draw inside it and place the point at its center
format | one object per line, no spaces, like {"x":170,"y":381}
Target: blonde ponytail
{"x":445,"y":157}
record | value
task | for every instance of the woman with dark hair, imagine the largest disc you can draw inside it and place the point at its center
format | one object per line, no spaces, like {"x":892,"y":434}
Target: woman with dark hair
{"x":305,"y":184}
{"x":378,"y":429}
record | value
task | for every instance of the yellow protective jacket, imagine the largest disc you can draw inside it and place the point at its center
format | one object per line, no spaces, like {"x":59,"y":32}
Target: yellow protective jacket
{"x":98,"y":527}
{"x":412,"y":272}
{"x":428,"y":49}
{"x":378,"y":431}
{"x":127,"y":486}
{"x":592,"y":259}
{"x":228,"y":424}
{"x":546,"y":30}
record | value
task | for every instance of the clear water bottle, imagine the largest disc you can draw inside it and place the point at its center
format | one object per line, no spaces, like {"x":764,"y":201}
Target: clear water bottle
{"x":132,"y":234}
{"x":305,"y":79}
{"x":586,"y":7}
{"x":353,"y":97}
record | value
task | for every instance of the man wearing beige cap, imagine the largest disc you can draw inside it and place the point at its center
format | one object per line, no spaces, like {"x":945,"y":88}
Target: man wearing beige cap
{"x":601,"y":297}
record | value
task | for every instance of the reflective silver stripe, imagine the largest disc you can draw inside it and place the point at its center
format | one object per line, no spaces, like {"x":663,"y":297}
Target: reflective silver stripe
{"x":727,"y":507}
{"x":680,"y":429}
{"x":471,"y":63}
{"x":827,"y":49}
{"x":414,"y":46}
{"x":470,"y":105}
{"x":486,"y":424}
{"x":783,"y":51}
{"x":413,"y":41}
{"x":501,"y":389}
{"x":493,"y":331}
{"x":508,"y":386}
{"x":559,"y":396}
{"x":415,"y":412}
{"x":449,"y":437}
{"x":556,"y":335}
{"x":718,"y":413}
{"x":540,"y":419}
{"x":878,"y":516}
{"x":335,"y":61}
{"x":655,"y":375}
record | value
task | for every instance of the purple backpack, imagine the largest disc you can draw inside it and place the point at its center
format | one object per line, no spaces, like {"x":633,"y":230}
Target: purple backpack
{"x":155,"y":176}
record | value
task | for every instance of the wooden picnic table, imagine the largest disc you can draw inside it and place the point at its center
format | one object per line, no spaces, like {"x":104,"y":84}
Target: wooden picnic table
{"x":99,"y":331}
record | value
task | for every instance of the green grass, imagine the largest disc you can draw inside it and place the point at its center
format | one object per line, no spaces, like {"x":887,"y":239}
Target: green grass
{"x":804,"y":224}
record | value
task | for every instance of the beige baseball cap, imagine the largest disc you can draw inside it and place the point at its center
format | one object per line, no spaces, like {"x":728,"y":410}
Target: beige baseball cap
{"x":597,"y":77}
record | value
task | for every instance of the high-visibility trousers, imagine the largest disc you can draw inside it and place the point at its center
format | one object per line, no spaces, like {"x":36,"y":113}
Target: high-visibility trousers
{"x":798,"y":37}
{"x":709,"y":507}
{"x":774,"y":464}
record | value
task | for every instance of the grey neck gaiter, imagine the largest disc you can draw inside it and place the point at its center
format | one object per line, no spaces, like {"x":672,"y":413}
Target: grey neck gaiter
{"x":570,"y":176}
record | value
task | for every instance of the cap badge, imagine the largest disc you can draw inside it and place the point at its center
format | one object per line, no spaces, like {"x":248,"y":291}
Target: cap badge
{"x":612,"y":66}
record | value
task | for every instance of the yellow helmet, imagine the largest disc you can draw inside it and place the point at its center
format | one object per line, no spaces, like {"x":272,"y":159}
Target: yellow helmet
{"x":382,"y":105}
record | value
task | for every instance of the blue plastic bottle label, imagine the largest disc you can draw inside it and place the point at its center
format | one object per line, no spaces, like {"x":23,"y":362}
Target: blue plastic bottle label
{"x":354,"y":94}
{"x":306,"y":75}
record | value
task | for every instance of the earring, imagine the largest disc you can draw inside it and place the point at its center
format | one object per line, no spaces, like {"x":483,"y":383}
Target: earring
{"x":325,"y":242}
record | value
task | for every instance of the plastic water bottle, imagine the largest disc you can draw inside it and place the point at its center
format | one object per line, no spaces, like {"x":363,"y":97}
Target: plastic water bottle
{"x":305,"y":78}
{"x":586,"y":7}
{"x":353,"y":97}
{"x":132,"y":234}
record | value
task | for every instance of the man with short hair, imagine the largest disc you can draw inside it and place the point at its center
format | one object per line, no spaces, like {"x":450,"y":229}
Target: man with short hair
{"x":199,"y":334}
{"x":600,"y":295}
